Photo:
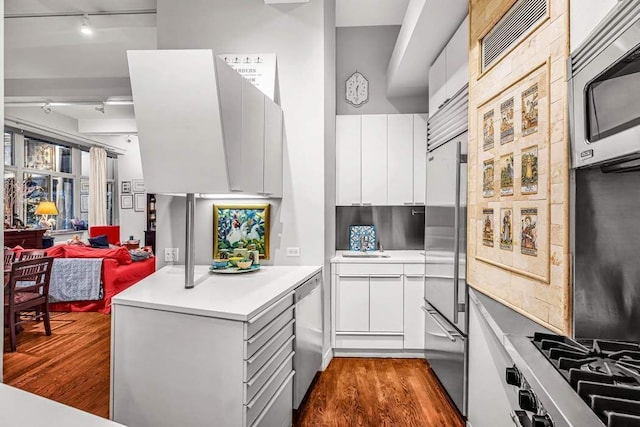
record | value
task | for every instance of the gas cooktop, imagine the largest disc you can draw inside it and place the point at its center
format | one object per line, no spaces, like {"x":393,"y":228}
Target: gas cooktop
{"x":605,"y":374}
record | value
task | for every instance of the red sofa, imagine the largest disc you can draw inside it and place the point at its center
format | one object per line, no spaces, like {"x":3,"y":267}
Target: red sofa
{"x":118,"y":273}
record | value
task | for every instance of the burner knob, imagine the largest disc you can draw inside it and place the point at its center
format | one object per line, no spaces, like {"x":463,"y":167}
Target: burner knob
{"x":527,"y":400}
{"x":513,"y":376}
{"x":541,"y":421}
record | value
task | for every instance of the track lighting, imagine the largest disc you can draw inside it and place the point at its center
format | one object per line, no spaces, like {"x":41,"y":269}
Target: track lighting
{"x":86,"y":28}
{"x":100,"y":108}
{"x":46,"y":108}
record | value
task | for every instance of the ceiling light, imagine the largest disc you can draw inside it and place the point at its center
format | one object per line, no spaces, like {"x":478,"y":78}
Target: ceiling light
{"x":86,"y":28}
{"x":100,"y":108}
{"x":46,"y":108}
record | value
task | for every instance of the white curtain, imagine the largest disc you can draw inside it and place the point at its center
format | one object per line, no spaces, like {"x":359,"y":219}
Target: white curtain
{"x":98,"y":186}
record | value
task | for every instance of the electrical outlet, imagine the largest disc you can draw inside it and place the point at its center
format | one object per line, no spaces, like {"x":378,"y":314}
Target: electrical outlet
{"x":293,"y":251}
{"x":171,"y":254}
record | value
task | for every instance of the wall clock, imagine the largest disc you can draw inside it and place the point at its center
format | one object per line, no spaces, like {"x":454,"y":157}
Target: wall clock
{"x":356,"y":89}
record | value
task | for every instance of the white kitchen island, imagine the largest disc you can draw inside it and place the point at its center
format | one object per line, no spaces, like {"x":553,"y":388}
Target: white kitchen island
{"x":219,"y":354}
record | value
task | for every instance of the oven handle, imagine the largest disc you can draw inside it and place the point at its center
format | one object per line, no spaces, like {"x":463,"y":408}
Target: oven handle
{"x":440,"y":325}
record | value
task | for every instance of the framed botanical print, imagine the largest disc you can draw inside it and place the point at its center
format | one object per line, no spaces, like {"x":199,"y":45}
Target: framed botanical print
{"x":236,"y":224}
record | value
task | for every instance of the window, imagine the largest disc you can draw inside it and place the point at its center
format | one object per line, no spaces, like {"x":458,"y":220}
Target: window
{"x":8,"y":148}
{"x":42,"y":155}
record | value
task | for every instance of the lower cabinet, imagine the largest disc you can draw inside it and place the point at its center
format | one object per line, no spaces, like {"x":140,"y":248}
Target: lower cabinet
{"x":176,"y":369}
{"x":377,"y":307}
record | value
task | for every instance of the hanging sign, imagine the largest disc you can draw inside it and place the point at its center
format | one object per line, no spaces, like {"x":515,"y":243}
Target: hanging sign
{"x":258,"y":68}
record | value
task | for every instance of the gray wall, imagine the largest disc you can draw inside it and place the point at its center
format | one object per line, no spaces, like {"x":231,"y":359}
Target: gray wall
{"x":368,"y":50}
{"x":397,"y":227}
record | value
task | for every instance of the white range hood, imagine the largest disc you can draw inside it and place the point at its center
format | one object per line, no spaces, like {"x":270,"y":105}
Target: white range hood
{"x":203,"y":129}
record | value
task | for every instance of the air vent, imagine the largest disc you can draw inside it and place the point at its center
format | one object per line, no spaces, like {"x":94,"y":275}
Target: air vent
{"x":450,"y":121}
{"x":513,"y":27}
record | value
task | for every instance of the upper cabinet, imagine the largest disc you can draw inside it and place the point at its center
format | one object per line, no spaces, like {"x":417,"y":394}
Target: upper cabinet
{"x":380,"y":159}
{"x":450,"y":71}
{"x":218,"y":132}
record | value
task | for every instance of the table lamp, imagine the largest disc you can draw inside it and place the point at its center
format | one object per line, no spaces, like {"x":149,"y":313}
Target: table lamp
{"x":45,"y":209}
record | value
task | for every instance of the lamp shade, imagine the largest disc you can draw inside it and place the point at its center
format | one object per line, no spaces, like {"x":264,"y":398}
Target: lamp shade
{"x":46,"y":208}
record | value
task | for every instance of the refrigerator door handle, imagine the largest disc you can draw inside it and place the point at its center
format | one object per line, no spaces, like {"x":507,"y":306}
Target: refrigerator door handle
{"x":440,"y":325}
{"x":456,"y":233}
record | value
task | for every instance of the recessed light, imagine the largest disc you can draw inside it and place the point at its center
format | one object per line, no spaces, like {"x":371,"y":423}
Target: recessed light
{"x":86,"y":28}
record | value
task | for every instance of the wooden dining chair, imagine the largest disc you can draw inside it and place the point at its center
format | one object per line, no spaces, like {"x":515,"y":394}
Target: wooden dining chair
{"x":28,"y":290}
{"x":9,"y":258}
{"x":32,"y":254}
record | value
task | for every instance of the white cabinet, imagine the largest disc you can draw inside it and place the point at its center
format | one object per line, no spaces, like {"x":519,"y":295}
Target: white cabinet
{"x":380,"y":159}
{"x":419,"y":158}
{"x":386,"y":304}
{"x":353,"y":304}
{"x":252,"y":155}
{"x":348,"y":160}
{"x":400,"y":152}
{"x":413,"y":302}
{"x":449,"y":73}
{"x":273,"y":139}
{"x":374,"y":159}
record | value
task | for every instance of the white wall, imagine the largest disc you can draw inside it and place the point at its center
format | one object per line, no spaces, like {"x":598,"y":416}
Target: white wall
{"x":584,"y":16}
{"x":132,"y":223}
{"x":296,"y":34}
{"x":368,"y":50}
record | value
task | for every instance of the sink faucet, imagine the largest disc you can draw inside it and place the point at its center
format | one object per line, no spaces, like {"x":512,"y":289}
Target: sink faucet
{"x":380,"y":246}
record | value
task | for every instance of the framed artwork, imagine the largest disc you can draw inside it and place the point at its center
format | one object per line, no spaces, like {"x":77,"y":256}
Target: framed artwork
{"x":488,"y":179}
{"x":528,"y":242}
{"x":125,"y":187}
{"x":365,"y":234}
{"x":248,"y":224}
{"x":506,"y":121}
{"x":487,"y":130}
{"x":126,"y":201}
{"x":530,"y":110}
{"x":139,"y":200}
{"x":84,"y":186}
{"x":487,"y":227}
{"x":506,"y":229}
{"x":84,"y":203}
{"x":138,"y":185}
{"x":506,"y":175}
{"x":529,"y":176}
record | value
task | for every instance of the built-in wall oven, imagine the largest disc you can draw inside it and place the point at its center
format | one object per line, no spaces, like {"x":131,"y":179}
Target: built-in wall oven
{"x":604,"y":86}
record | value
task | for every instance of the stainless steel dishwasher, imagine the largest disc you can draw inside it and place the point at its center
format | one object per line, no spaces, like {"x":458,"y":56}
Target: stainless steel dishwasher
{"x":307,"y":359}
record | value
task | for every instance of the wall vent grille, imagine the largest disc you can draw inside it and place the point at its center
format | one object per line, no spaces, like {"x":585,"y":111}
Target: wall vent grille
{"x":450,"y":121}
{"x":513,"y":27}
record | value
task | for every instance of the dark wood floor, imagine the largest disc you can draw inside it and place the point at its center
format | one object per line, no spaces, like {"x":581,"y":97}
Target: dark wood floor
{"x":378,"y":392}
{"x":72,"y":367}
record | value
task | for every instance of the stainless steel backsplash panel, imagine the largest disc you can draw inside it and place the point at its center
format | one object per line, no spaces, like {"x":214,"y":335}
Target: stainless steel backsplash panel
{"x":607,"y":255}
{"x":396,"y":227}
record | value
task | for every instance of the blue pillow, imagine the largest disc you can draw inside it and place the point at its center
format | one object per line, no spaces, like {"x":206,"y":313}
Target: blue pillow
{"x":99,"y":242}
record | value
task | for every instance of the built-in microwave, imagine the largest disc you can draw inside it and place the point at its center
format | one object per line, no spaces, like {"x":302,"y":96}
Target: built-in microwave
{"x":605,"y":93}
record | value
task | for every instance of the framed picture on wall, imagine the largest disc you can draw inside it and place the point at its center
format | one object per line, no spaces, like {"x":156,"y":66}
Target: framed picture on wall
{"x":126,"y":201}
{"x":84,"y":186}
{"x":125,"y":187}
{"x":235,"y":224}
{"x":139,"y":200}
{"x":84,"y":203}
{"x":138,"y":185}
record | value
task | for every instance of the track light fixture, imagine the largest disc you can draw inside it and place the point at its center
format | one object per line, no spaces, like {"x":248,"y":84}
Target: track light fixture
{"x":46,"y":108}
{"x":86,"y":28}
{"x":100,"y":108}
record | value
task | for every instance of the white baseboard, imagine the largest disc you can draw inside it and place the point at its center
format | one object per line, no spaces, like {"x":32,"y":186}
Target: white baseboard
{"x":326,"y":359}
{"x":397,"y":354}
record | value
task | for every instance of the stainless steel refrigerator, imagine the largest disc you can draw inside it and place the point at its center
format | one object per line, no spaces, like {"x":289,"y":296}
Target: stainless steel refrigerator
{"x":445,"y":253}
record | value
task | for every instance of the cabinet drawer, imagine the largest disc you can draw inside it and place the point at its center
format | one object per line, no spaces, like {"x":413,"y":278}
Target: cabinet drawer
{"x":369,"y":269}
{"x":270,"y":391}
{"x":370,"y":341}
{"x":411,"y":270}
{"x":256,"y":342}
{"x":271,"y":347}
{"x":256,"y":382}
{"x":256,"y":323}
{"x":279,"y":410}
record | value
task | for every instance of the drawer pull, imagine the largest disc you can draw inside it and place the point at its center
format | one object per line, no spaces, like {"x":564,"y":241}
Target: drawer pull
{"x":440,"y":325}
{"x":266,"y":328}
{"x":266,"y":311}
{"x":273,"y":399}
{"x":253,"y":380}
{"x":353,"y":276}
{"x":386,"y":276}
{"x":268,"y":343}
{"x":268,"y":383}
{"x":414,"y":276}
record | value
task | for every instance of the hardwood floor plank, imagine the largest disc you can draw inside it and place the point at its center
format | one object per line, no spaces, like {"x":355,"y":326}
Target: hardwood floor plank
{"x":378,"y":392}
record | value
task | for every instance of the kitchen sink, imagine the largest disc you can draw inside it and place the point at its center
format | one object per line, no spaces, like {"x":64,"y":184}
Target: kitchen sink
{"x":370,"y":254}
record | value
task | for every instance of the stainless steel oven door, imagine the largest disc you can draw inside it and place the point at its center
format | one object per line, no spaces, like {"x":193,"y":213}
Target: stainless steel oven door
{"x":445,"y":349}
{"x":606,"y":106}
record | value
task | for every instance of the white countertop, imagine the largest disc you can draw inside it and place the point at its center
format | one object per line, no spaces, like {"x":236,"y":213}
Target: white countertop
{"x":20,"y":408}
{"x":226,"y":296}
{"x":398,"y":257}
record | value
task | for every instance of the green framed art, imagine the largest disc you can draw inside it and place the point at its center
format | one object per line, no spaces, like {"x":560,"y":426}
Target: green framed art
{"x":233,"y":224}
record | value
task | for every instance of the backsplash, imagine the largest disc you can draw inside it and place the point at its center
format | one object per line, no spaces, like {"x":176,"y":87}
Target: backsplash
{"x":396,"y":227}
